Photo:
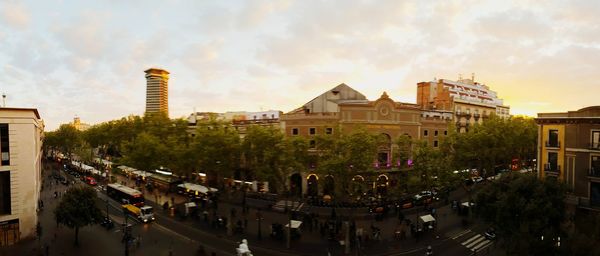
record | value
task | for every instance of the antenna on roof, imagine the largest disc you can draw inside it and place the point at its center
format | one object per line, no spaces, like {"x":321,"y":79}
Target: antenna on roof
{"x":3,"y":100}
{"x":459,"y":77}
{"x":473,"y":77}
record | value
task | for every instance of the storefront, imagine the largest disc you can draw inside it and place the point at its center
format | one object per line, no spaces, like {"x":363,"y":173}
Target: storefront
{"x":9,"y":232}
{"x":164,"y":182}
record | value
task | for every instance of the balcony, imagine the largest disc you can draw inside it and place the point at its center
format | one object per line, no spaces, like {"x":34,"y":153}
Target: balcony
{"x":553,"y":144}
{"x":465,"y":114}
{"x":552,"y":170}
{"x":594,"y":172}
{"x":594,"y":146}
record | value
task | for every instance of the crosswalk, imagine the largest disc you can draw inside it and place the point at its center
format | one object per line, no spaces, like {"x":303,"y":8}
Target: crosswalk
{"x":471,"y":240}
{"x":281,"y":205}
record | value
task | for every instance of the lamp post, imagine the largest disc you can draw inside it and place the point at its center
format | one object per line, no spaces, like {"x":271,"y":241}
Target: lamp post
{"x":126,"y":233}
{"x":259,"y":218}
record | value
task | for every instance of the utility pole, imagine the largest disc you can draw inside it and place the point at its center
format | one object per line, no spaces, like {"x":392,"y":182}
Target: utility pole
{"x":126,"y":233}
{"x":259,"y":218}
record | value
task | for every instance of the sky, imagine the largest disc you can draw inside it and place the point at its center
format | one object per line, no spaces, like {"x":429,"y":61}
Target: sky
{"x":87,"y":58}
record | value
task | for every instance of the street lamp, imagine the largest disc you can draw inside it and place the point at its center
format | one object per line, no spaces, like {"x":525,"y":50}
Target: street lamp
{"x":126,"y":233}
{"x":259,"y":218}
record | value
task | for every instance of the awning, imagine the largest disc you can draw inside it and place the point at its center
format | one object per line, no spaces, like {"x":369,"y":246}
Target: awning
{"x":197,"y":187}
{"x":142,"y":173}
{"x":190,"y":204}
{"x":295,"y":224}
{"x":427,"y":218}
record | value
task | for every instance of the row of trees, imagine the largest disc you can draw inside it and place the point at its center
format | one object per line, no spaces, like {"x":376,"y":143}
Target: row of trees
{"x":265,"y":153}
{"x":530,"y":217}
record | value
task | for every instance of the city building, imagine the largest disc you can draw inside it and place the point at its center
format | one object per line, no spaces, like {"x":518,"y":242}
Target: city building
{"x":470,"y":101}
{"x":157,"y":91}
{"x":21,"y":132}
{"x":569,"y":150}
{"x":239,"y":120}
{"x":343,"y":109}
{"x":79,"y":125}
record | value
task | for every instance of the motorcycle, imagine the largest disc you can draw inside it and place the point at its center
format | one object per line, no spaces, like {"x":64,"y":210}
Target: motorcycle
{"x":107,"y":223}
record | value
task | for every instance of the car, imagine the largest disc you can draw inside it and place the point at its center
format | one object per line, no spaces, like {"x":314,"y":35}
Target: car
{"x":490,"y":233}
{"x":477,"y":179}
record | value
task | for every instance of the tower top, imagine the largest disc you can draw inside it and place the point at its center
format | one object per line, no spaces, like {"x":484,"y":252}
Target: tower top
{"x":157,"y":71}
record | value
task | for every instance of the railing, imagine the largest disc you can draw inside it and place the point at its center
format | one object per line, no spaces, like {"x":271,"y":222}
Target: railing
{"x":553,"y":170}
{"x":588,"y":203}
{"x":594,"y":172}
{"x":553,"y":144}
{"x":595,"y":146}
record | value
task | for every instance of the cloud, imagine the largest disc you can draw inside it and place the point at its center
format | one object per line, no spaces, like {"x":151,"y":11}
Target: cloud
{"x":513,"y":25}
{"x":16,"y":15}
{"x":205,"y":60}
{"x":87,"y":40}
{"x":255,"y":12}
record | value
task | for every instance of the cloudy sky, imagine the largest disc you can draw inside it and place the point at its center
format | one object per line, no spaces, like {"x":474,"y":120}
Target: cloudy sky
{"x":86,"y":58}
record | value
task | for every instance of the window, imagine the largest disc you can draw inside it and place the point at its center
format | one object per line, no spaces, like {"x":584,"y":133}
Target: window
{"x":435,"y":143}
{"x":552,"y":139}
{"x":5,"y":193}
{"x":294,"y":131}
{"x":552,"y":162}
{"x":425,"y":132}
{"x":328,"y":130}
{"x":312,"y":131}
{"x":312,"y":143}
{"x":445,"y":133}
{"x":4,"y":145}
{"x":595,"y":140}
{"x":595,"y":165}
{"x":435,"y":133}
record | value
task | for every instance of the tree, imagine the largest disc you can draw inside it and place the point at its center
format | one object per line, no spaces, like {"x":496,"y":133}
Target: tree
{"x":77,"y":209}
{"x":67,"y":138}
{"x":344,"y":155}
{"x":431,"y":166}
{"x":404,"y":151}
{"x":523,"y":208}
{"x":146,"y":152}
{"x":217,"y":147}
{"x":493,"y":144}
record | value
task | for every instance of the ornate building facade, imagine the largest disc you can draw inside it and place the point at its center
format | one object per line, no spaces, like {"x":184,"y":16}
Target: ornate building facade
{"x":344,"y":109}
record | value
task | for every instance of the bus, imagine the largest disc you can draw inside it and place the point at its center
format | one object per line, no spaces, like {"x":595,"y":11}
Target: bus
{"x":125,"y":195}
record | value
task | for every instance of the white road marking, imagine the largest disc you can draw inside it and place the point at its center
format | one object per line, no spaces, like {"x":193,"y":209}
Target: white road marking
{"x":472,"y":244}
{"x":462,"y":233}
{"x":481,"y":245}
{"x":471,"y":239}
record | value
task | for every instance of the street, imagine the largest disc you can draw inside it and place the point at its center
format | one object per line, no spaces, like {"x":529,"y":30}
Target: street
{"x":170,"y":235}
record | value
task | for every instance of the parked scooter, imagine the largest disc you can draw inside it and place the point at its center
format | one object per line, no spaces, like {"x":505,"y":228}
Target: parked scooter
{"x":107,"y":223}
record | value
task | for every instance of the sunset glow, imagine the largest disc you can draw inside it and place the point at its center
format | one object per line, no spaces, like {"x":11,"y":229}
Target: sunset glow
{"x":76,"y":58}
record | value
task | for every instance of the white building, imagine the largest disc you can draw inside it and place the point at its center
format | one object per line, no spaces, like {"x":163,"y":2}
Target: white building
{"x":21,"y":132}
